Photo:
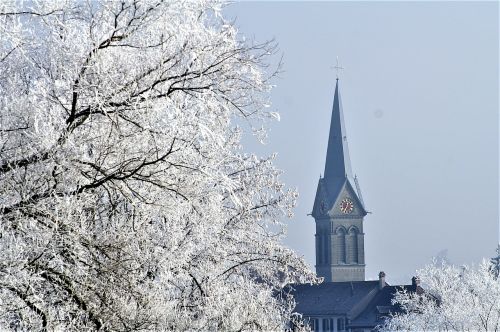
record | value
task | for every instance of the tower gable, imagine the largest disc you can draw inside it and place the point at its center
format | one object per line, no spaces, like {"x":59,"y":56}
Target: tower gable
{"x":328,"y":199}
{"x":347,"y":192}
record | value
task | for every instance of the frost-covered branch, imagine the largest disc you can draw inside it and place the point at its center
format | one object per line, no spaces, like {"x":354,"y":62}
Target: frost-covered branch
{"x":456,"y":299}
{"x":126,"y":202}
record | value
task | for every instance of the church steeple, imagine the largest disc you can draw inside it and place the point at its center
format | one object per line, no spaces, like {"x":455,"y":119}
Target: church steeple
{"x":338,"y":209}
{"x":338,"y":164}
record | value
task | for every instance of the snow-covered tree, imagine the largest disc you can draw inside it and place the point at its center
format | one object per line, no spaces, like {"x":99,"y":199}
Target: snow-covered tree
{"x":126,"y":200}
{"x":495,"y":263}
{"x":455,"y":299}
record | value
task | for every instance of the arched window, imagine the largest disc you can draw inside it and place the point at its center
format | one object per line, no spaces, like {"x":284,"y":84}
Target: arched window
{"x":340,"y":251}
{"x":325,"y":248}
{"x":318,"y":249}
{"x":352,"y":245}
{"x":322,"y":245}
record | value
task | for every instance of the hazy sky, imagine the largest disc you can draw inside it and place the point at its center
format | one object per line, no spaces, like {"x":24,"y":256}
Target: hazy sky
{"x":420,"y":96}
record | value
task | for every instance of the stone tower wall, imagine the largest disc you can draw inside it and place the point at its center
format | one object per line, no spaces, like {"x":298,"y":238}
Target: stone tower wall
{"x":340,"y":249}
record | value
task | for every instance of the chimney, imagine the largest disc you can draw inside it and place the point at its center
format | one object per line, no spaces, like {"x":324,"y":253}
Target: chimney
{"x":381,"y":280}
{"x":415,"y":281}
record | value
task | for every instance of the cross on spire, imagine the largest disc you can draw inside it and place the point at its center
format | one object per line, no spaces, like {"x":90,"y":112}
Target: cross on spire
{"x":338,"y":68}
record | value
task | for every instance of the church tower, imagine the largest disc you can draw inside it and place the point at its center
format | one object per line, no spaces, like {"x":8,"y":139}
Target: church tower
{"x":339,"y":210}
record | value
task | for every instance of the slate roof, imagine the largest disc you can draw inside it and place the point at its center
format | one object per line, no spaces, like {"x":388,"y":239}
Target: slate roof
{"x":345,"y":299}
{"x":338,"y":163}
{"x":380,"y":306}
{"x":330,"y":298}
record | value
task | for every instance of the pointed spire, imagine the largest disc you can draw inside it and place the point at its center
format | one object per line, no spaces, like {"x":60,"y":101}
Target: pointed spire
{"x":338,"y":164}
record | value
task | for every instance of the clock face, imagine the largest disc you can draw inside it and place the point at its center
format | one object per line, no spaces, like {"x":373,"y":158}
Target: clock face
{"x":346,"y":206}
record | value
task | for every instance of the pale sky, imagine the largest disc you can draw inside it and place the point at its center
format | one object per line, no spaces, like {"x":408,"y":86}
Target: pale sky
{"x":420,"y":96}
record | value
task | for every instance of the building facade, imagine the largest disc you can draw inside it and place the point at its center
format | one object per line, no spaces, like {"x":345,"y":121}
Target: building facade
{"x":357,"y":306}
